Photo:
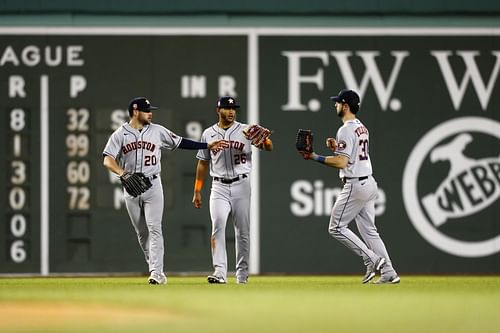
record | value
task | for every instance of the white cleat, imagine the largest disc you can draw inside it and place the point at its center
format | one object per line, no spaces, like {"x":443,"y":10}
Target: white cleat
{"x":372,"y":269}
{"x":155,"y":278}
{"x":388,"y":280}
{"x":215,"y":279}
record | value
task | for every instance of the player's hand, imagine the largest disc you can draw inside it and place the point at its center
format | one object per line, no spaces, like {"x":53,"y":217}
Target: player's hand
{"x":331,"y":143}
{"x":218,"y":144}
{"x":305,"y":155}
{"x":197,"y":199}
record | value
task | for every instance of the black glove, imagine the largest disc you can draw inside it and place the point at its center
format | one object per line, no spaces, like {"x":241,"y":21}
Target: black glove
{"x":135,"y":183}
{"x":304,"y":141}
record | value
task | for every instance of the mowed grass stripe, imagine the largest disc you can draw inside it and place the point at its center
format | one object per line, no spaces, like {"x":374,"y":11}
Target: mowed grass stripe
{"x":266,"y":304}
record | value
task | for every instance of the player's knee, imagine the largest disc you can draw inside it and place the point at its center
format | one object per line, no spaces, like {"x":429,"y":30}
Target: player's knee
{"x":334,"y":231}
{"x":155,"y":229}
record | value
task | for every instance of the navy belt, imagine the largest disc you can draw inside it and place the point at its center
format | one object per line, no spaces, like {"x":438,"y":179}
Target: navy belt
{"x":345,"y":179}
{"x":229,"y":180}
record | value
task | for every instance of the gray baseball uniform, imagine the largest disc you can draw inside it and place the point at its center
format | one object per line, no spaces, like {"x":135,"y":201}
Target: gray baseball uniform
{"x":356,"y":201}
{"x":140,"y":151}
{"x":230,"y":195}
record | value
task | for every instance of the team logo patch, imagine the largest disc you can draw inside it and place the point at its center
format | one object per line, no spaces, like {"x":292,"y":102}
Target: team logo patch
{"x":341,"y":145}
{"x":460,"y":186}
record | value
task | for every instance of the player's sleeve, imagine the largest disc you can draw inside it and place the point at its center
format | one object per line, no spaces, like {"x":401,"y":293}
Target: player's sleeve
{"x":203,"y":154}
{"x":114,"y":144}
{"x":169,"y":139}
{"x":345,"y":142}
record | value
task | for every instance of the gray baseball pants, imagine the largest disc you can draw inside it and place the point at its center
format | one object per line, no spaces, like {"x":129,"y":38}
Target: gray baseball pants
{"x":230,"y":202}
{"x":356,"y":202}
{"x":146,"y":213}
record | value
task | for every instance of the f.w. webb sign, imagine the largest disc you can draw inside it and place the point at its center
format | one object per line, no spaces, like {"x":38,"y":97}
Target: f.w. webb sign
{"x":431,"y":103}
{"x":374,"y":78}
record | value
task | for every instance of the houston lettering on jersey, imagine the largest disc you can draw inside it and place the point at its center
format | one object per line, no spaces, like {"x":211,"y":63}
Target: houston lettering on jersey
{"x":232,"y":144}
{"x":138,"y":145}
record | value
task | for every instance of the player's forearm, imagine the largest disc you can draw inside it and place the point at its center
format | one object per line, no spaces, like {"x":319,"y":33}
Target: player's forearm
{"x":111,"y":165}
{"x":201,"y":171}
{"x":337,"y":161}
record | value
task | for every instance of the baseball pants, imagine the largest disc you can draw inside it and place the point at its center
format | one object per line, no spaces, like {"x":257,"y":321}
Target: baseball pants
{"x":230,"y":202}
{"x":146,"y":213}
{"x":356,"y":202}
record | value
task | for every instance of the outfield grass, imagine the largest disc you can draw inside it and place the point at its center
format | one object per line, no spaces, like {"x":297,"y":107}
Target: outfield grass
{"x":266,"y":304}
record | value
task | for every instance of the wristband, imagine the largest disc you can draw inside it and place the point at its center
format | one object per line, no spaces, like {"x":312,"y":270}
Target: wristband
{"x":319,"y":158}
{"x":198,"y":184}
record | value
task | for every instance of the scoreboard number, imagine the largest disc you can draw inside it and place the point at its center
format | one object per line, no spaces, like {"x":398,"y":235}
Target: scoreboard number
{"x":17,"y":194}
{"x":78,"y":172}
{"x":77,"y":144}
{"x":77,"y":120}
{"x":17,"y":121}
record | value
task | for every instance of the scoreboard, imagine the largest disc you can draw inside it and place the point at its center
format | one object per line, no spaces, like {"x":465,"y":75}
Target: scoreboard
{"x":61,"y":98}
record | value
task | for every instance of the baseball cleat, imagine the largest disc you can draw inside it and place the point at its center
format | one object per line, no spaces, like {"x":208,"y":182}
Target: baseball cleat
{"x":388,"y":280}
{"x":215,"y":279}
{"x":372,"y":269}
{"x":157,"y":278}
{"x":379,"y":264}
{"x":241,"y":281}
{"x":370,"y":274}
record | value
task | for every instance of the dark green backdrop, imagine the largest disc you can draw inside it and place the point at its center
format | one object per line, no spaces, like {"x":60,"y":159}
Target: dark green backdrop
{"x":293,"y":236}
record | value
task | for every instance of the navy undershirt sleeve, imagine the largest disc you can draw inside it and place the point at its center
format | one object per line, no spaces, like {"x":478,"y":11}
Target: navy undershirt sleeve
{"x":190,"y":144}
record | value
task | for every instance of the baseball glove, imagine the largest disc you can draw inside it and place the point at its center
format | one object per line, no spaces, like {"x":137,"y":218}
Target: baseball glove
{"x":257,"y":134}
{"x":135,"y":183}
{"x":304,"y":141}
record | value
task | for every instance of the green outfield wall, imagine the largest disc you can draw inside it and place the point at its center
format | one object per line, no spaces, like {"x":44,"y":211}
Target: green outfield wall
{"x":430,"y":98}
{"x":427,"y":73}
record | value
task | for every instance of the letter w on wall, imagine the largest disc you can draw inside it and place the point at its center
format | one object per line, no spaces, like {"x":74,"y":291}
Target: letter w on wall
{"x":472,"y":73}
{"x":372,"y":73}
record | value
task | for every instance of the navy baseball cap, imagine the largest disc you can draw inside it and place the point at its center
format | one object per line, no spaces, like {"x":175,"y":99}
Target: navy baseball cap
{"x":350,"y":97}
{"x":227,"y":102}
{"x":141,"y":104}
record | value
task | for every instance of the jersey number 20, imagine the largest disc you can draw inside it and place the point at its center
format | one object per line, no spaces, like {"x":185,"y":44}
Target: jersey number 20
{"x":150,"y":160}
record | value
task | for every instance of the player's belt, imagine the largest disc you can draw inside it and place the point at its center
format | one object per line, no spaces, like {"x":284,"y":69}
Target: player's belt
{"x":229,"y":180}
{"x":345,"y":179}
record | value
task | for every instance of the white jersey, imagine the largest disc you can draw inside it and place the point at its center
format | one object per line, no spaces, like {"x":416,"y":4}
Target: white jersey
{"x":353,"y":140}
{"x":140,"y":151}
{"x":228,"y":162}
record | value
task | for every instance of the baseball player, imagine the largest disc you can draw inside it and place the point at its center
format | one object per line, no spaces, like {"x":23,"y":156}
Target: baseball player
{"x":135,"y":149}
{"x":356,"y":201}
{"x":230,"y":193}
